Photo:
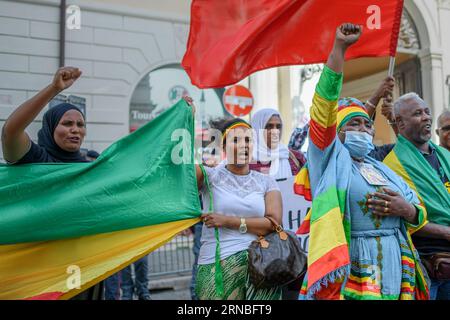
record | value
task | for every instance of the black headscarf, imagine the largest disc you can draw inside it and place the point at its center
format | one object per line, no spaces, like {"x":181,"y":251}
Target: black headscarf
{"x":46,"y":139}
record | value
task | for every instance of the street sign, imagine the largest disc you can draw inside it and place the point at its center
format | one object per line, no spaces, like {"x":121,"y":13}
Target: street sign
{"x":238,"y":100}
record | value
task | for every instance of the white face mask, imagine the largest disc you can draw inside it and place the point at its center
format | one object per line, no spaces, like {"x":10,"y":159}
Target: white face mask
{"x":359,"y":144}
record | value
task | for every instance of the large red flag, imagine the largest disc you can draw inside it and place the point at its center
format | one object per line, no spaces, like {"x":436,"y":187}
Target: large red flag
{"x":230,"y":39}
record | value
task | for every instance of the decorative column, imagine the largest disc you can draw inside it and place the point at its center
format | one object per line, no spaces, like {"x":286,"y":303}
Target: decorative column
{"x":264,"y":87}
{"x":284,"y":102}
{"x":433,"y":91}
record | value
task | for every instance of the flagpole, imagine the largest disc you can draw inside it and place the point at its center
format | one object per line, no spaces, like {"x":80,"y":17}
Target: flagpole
{"x":391,"y":66}
{"x":391,"y":74}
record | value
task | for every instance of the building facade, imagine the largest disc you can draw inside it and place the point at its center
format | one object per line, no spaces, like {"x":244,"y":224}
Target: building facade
{"x":130,"y":53}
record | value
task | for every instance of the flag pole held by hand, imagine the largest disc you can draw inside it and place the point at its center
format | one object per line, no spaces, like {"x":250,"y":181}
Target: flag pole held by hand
{"x":391,"y":66}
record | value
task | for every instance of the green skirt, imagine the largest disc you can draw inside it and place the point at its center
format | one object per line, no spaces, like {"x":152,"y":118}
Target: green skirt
{"x":236,"y":281}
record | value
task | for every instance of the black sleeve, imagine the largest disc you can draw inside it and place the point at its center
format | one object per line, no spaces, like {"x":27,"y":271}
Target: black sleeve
{"x":381,"y":152}
{"x":36,"y":154}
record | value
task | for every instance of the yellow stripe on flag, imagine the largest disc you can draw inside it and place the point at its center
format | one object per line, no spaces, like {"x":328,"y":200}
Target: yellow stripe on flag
{"x":363,"y":280}
{"x":31,"y":269}
{"x":326,"y":234}
{"x":345,"y":112}
{"x":323,"y":112}
{"x":394,"y":164}
{"x":302,"y":178}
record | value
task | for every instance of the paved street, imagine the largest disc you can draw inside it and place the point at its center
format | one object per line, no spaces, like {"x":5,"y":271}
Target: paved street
{"x":181,"y":294}
{"x":170,"y":270}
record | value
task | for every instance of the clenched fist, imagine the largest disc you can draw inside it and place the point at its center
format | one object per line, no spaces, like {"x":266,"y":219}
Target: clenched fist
{"x":65,"y":77}
{"x":347,"y":34}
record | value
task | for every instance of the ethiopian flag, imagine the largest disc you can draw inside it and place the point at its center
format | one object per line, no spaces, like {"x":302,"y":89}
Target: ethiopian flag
{"x":65,"y":227}
{"x":407,"y":161}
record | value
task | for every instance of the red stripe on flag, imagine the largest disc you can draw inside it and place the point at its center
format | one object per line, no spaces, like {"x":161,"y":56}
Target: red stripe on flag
{"x":331,"y":261}
{"x":47,"y":296}
{"x":362,"y":288}
{"x":422,"y":295}
{"x":322,"y":137}
{"x":304,"y":227}
{"x":301,"y":190}
{"x":409,"y":264}
{"x":407,"y":290}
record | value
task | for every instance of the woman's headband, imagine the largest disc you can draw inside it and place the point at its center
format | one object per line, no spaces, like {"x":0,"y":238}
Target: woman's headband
{"x":234,"y":126}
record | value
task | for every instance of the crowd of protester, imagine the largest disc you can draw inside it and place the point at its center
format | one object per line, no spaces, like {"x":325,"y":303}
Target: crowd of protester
{"x":395,"y":198}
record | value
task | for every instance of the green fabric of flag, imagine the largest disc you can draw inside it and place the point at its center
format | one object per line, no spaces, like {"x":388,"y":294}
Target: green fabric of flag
{"x":134,"y":183}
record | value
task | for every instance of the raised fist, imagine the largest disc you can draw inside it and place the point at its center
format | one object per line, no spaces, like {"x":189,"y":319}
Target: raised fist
{"x":65,"y":77}
{"x":347,"y":34}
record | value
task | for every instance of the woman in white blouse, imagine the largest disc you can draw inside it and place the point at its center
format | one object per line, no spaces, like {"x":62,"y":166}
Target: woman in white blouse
{"x":242,"y":201}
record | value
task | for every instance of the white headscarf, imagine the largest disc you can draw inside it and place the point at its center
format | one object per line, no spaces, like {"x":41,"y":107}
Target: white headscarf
{"x":279,"y":157}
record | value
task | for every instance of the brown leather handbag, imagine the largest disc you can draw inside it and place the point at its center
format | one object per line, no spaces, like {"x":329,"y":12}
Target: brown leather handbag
{"x":438,"y":266}
{"x":276,"y":259}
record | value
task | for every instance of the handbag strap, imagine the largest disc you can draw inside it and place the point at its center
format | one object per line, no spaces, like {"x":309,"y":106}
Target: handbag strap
{"x":218,"y":274}
{"x":276,"y":227}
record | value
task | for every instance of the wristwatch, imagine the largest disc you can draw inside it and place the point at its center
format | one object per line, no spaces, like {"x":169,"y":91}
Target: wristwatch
{"x":243,"y":226}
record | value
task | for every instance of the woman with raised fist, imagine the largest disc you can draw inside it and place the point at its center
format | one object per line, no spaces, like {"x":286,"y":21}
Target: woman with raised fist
{"x":63,"y":127}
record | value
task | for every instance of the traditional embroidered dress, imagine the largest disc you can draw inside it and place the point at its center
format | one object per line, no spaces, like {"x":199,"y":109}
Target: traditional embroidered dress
{"x":352,"y":253}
